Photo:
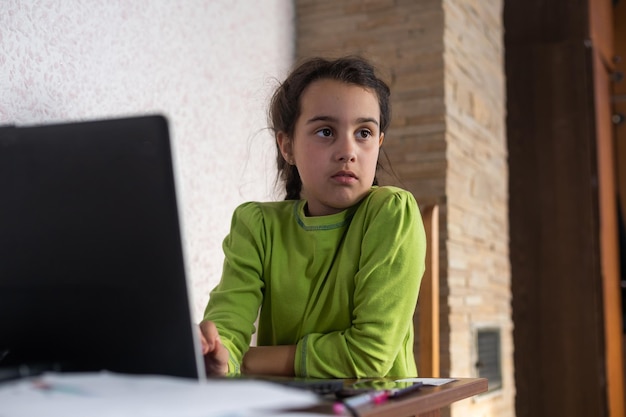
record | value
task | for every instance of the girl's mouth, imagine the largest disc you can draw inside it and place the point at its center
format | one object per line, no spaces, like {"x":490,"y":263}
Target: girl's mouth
{"x":345,"y":177}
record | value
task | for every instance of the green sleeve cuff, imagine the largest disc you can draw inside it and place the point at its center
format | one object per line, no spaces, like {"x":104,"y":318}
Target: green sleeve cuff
{"x":300,"y":368}
{"x":234,"y":367}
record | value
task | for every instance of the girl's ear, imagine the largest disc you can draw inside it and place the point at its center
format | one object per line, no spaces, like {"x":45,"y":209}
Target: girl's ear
{"x":380,"y":139}
{"x":285,"y":146}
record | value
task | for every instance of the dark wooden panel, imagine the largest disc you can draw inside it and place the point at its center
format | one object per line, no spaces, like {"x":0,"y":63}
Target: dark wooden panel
{"x":545,"y":21}
{"x":553,"y":226}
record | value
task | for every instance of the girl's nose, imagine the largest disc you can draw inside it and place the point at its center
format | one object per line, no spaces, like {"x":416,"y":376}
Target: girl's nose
{"x":346,"y":150}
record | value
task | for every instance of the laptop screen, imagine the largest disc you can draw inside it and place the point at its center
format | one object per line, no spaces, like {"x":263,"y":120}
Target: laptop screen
{"x":92,"y":271}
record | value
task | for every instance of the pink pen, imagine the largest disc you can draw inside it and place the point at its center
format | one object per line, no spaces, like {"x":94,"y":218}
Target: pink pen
{"x":376,"y":397}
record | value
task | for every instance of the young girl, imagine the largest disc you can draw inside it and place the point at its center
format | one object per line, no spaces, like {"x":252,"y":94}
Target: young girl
{"x":335,"y":268}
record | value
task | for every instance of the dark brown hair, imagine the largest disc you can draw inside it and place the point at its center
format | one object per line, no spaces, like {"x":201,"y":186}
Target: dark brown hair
{"x":285,"y":105}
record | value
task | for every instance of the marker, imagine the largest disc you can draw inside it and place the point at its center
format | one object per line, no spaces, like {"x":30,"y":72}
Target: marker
{"x":377,"y":397}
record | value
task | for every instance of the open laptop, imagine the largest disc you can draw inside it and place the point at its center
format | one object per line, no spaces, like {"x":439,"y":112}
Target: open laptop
{"x":92,"y":274}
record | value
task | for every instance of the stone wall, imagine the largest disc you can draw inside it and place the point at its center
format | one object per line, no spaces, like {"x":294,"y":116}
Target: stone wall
{"x":478,"y":269}
{"x":443,"y":60}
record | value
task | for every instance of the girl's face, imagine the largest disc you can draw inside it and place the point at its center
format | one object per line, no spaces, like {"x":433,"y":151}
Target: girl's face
{"x":335,"y":145}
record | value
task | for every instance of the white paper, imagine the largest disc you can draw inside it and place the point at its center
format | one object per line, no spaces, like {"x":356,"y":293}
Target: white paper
{"x":428,"y":381}
{"x":108,"y":394}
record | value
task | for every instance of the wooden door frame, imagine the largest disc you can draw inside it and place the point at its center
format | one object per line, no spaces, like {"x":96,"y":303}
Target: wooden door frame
{"x":602,"y":49}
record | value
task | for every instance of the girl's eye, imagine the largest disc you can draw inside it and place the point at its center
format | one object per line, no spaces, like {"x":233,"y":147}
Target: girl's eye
{"x":364,"y":134}
{"x":325,"y":132}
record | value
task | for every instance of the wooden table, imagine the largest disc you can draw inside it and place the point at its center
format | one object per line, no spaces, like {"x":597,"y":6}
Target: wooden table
{"x":427,"y":402}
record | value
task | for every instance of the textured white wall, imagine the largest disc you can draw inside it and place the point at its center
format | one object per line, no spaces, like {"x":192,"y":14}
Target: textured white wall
{"x":208,"y":65}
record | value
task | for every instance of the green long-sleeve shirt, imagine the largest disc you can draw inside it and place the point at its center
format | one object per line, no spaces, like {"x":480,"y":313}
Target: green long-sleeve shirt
{"x":343,"y":287}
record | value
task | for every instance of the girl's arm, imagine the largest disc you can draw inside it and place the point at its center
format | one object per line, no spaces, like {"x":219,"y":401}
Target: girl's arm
{"x":270,"y":360}
{"x":234,"y":303}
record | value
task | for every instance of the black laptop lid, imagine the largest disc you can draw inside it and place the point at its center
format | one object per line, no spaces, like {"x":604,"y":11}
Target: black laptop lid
{"x":91,"y":264}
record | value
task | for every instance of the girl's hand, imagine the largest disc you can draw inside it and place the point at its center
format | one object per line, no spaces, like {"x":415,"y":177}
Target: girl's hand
{"x":215,"y":354}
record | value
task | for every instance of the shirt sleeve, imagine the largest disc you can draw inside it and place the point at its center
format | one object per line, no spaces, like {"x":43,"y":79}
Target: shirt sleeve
{"x":386,"y":288}
{"x":234,"y":303}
